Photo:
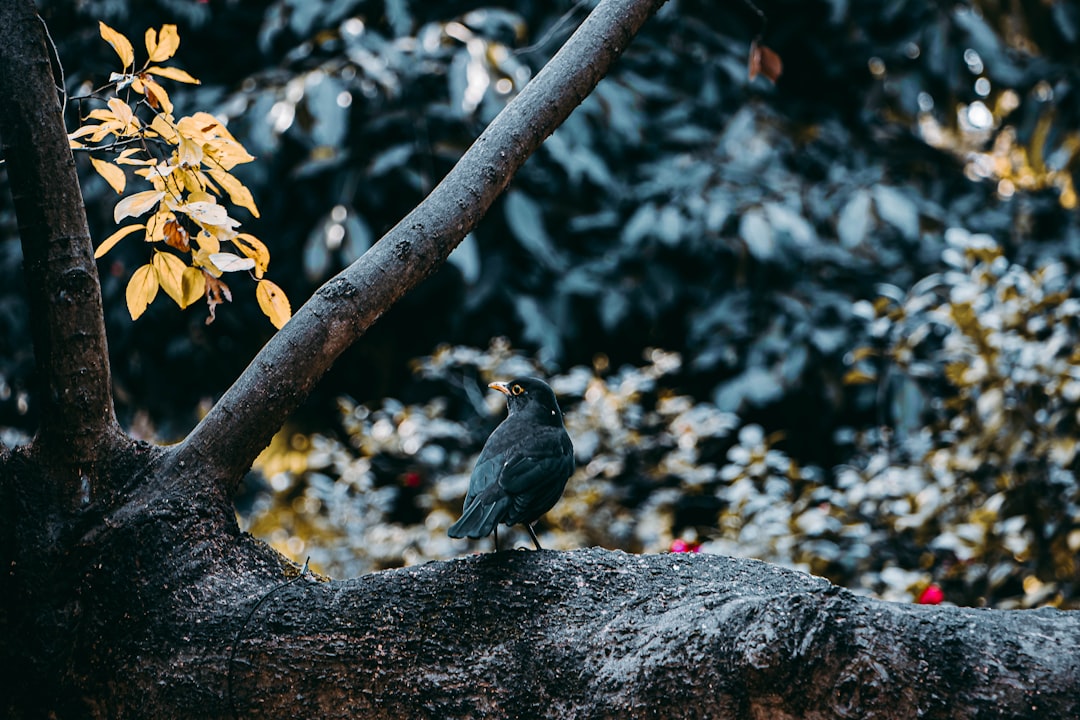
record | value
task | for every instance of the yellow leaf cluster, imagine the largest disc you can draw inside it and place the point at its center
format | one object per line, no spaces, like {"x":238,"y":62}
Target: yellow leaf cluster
{"x":183,"y":284}
{"x":188,"y":190}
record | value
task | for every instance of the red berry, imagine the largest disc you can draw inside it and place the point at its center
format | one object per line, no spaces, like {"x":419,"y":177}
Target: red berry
{"x":932,"y":595}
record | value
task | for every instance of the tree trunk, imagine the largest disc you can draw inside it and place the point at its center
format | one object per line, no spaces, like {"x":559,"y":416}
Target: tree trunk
{"x":128,"y":590}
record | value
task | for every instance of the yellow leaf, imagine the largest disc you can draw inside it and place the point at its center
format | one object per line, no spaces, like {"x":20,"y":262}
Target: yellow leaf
{"x":228,"y":262}
{"x":189,"y":152}
{"x":217,"y":142}
{"x":201,"y":259}
{"x":192,"y":285}
{"x":112,"y":174}
{"x":106,"y":128}
{"x":856,"y":376}
{"x":120,"y":44}
{"x":201,"y":196}
{"x":273,"y":302}
{"x":121,"y":110}
{"x":127,"y":158}
{"x":192,"y":181}
{"x":254,"y":249}
{"x":141,"y":290}
{"x":203,"y":124}
{"x":115,"y":238}
{"x":238,"y":192}
{"x":211,"y":217}
{"x":861,"y":353}
{"x":206,"y":212}
{"x":170,"y":272}
{"x":101,"y":114}
{"x":162,"y":47}
{"x":163,"y":127}
{"x":135,"y":205}
{"x":128,"y":123}
{"x":228,"y":153}
{"x":173,"y":74}
{"x":208,"y":243}
{"x":84,"y":130}
{"x":155,"y":226}
{"x":157,"y":97}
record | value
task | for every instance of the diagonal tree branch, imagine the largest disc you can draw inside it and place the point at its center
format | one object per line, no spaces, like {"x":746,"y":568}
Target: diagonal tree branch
{"x":75,"y":397}
{"x":241,"y":424}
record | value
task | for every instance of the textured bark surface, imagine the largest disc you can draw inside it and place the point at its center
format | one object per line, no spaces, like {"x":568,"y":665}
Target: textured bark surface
{"x":177,"y":616}
{"x":127,"y":590}
{"x":75,"y":402}
{"x":595,"y":633}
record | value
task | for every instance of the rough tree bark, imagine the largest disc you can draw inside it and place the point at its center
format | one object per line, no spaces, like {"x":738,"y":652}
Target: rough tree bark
{"x":128,"y":591}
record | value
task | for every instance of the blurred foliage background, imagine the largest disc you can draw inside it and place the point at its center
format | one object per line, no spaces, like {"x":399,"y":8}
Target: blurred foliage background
{"x":829,"y":323}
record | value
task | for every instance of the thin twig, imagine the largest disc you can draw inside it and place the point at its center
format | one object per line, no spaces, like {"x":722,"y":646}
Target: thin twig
{"x":111,"y":146}
{"x":57,"y":66}
{"x":761,"y":15}
{"x":552,"y":30}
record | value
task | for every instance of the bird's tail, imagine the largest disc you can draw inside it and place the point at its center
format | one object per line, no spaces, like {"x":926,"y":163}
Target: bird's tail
{"x":479,"y":518}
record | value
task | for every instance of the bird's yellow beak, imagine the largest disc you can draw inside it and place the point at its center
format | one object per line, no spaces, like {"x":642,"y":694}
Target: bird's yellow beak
{"x":501,"y":387}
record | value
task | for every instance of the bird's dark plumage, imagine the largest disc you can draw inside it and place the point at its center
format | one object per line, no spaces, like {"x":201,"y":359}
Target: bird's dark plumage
{"x":524,"y":466}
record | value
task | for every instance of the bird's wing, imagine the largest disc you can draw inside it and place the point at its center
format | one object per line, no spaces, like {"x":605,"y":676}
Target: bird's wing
{"x":486,"y":503}
{"x":484,"y":475}
{"x":536,"y":466}
{"x":535,"y":479}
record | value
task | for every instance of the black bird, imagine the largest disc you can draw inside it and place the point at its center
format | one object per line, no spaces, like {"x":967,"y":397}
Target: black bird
{"x":522,"y":471}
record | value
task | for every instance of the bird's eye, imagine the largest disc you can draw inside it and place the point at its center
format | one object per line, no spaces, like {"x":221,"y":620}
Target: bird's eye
{"x":516,"y":389}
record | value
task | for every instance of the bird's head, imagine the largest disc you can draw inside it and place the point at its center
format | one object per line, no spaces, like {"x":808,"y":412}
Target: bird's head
{"x":531,"y":396}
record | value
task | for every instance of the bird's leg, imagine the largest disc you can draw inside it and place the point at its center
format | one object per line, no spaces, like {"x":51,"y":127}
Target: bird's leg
{"x":496,"y":537}
{"x":533,"y":536}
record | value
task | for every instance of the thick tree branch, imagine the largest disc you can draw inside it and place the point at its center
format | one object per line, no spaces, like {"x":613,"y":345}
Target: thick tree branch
{"x":75,"y":399}
{"x":589,"y":634}
{"x":242,"y":422}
